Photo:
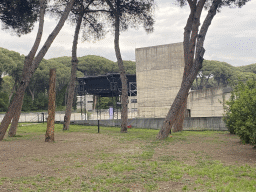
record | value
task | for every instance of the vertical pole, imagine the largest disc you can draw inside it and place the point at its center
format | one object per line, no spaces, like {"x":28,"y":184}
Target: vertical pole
{"x":49,"y":135}
{"x":100,"y":107}
{"x":43,"y":117}
{"x":113,"y":107}
{"x":97,"y":106}
{"x":98,"y":126}
{"x":117,"y":107}
{"x":85,"y":105}
{"x":129,"y":97}
{"x":81,"y":105}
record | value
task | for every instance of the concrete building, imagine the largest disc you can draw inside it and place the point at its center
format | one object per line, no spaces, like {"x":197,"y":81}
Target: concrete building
{"x":159,"y":71}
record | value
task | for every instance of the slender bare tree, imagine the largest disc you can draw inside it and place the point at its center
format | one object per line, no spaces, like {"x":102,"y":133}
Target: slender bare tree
{"x":35,"y":63}
{"x":92,"y":29}
{"x":27,"y":63}
{"x":193,"y":55}
{"x":123,"y":14}
{"x":74,"y":61}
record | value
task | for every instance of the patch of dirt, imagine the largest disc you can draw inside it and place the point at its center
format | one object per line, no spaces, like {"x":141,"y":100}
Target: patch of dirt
{"x":75,"y":154}
{"x":225,"y":148}
{"x":31,"y":157}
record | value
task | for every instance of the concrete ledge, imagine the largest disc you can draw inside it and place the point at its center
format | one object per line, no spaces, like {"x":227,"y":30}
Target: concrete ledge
{"x":192,"y":123}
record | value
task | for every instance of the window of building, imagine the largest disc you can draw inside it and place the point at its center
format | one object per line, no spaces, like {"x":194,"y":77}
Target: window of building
{"x":133,"y":100}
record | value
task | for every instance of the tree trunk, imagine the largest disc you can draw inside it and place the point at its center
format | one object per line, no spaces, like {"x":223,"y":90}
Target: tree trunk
{"x":13,"y":91}
{"x":191,"y":68}
{"x":15,"y":120}
{"x":178,"y":125}
{"x":94,"y":102}
{"x":179,"y":100}
{"x":28,"y":74}
{"x":71,"y":87}
{"x":27,"y":64}
{"x":124,"y":96}
{"x":32,"y":94}
{"x":49,"y":135}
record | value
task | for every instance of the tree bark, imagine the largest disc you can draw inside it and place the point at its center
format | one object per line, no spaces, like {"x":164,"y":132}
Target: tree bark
{"x":27,"y":64}
{"x":191,"y":68}
{"x":94,"y":102}
{"x":13,"y":91}
{"x":124,"y":96}
{"x":23,"y":85}
{"x":178,"y":125}
{"x":15,"y":120}
{"x":49,"y":135}
{"x":192,"y":25}
{"x":71,"y":87}
{"x":179,"y":100}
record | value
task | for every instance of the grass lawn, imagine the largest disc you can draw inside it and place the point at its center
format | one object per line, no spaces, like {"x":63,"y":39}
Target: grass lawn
{"x":83,"y":160}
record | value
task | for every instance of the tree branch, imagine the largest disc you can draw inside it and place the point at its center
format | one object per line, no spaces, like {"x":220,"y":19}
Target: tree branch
{"x":88,"y":4}
{"x":51,"y":38}
{"x":195,"y":26}
{"x":111,"y":7}
{"x":193,"y":23}
{"x":207,"y":21}
{"x":100,"y":10}
{"x":187,"y":32}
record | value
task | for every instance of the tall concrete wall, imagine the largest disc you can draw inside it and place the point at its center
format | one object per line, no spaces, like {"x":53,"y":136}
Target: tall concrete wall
{"x":159,"y":72}
{"x":208,"y":102}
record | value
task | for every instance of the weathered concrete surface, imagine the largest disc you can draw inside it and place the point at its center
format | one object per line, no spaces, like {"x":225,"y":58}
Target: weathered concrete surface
{"x":193,"y":123}
{"x":208,"y":102}
{"x":159,"y":72}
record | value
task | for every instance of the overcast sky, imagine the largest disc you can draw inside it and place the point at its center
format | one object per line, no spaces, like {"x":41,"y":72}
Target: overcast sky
{"x":231,"y":37}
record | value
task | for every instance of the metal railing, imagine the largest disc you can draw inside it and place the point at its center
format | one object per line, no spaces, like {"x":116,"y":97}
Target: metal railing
{"x":59,"y":116}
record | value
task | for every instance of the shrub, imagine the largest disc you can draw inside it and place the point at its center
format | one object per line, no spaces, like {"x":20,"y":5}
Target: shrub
{"x":240,"y":116}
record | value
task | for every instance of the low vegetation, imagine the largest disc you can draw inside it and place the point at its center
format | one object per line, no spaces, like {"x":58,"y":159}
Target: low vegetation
{"x":83,"y":160}
{"x":240,"y":114}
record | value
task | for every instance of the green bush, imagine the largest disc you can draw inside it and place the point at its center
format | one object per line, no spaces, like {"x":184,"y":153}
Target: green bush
{"x":4,"y":102}
{"x":229,"y":117}
{"x":27,"y":103}
{"x":40,"y":102}
{"x":240,"y":116}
